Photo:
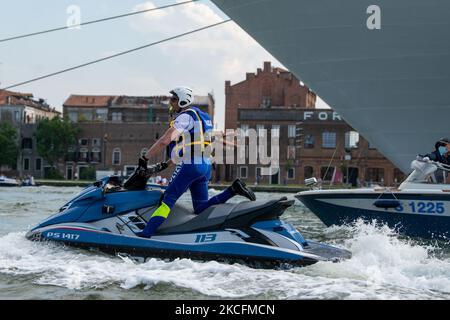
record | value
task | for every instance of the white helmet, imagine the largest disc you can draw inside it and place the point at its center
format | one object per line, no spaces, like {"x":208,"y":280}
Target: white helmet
{"x":185,"y":96}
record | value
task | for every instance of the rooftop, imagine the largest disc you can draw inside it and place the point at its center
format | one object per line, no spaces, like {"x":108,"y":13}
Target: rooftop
{"x":25,"y":99}
{"x":88,"y":101}
{"x":111,"y":101}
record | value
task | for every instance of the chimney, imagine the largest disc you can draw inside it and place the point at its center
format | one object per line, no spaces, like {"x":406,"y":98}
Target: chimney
{"x":259,"y":71}
{"x":267,"y":66}
{"x":227,"y":86}
{"x":250,"y":75}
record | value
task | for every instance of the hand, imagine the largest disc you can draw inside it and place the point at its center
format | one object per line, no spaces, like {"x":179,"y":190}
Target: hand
{"x":143,"y":161}
{"x":158,"y":167}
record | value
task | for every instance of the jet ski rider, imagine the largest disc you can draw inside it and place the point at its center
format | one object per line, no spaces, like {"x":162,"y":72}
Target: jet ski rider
{"x":192,"y":125}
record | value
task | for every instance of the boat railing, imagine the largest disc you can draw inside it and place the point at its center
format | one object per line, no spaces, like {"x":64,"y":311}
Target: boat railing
{"x":424,"y":171}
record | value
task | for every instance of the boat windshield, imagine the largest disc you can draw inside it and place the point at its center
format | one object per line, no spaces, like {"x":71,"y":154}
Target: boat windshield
{"x":428,"y":172}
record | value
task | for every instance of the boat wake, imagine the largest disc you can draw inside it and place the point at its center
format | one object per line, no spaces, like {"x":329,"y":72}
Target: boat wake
{"x":383,"y":266}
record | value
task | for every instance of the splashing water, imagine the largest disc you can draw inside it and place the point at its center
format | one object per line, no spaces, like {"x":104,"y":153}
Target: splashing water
{"x":384,"y":266}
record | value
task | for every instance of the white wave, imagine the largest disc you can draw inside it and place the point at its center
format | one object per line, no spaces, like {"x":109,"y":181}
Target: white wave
{"x":382,"y":267}
{"x":383,"y":260}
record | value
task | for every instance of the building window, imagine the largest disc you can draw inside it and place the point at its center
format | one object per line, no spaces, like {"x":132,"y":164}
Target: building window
{"x":26,"y":164}
{"x":308,"y":172}
{"x":83,"y":156}
{"x":329,"y":140}
{"x":84,"y":142}
{"x":27,"y":143}
{"x":266,"y":102}
{"x":73,"y":116}
{"x":95,"y":155}
{"x":309,"y":141}
{"x":291,"y":173}
{"x":243,"y":172}
{"x":351,"y":139}
{"x":86,"y":116}
{"x":292,"y":131}
{"x":116,"y":116}
{"x":326,"y":173}
{"x":275,"y":130}
{"x":38,"y":164}
{"x":116,"y":156}
{"x":16,"y":116}
{"x":291,"y":152}
{"x":398,"y":176}
{"x":101,"y":114}
{"x":375,"y":175}
{"x":96,"y":142}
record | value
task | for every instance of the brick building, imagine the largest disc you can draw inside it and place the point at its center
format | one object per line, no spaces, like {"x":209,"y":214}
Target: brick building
{"x":24,"y":112}
{"x":116,"y":130}
{"x":313,"y":142}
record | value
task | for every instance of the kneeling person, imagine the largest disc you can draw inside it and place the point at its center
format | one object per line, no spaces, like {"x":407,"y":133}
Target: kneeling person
{"x":194,"y":175}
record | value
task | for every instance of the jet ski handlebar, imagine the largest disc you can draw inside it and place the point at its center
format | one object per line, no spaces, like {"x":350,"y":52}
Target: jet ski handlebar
{"x":138,"y":180}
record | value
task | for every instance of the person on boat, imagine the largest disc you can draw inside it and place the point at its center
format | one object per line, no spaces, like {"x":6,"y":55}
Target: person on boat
{"x":441,"y":153}
{"x":193,"y":172}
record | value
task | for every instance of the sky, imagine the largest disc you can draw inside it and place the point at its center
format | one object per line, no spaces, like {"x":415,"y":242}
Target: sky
{"x":202,"y":61}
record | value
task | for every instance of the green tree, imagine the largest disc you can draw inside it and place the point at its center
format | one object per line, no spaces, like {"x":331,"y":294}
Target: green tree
{"x":54,"y":137}
{"x":8,"y":144}
{"x":87,"y":173}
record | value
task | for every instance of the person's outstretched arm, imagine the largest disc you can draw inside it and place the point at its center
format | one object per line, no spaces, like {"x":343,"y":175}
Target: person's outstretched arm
{"x":162,"y":143}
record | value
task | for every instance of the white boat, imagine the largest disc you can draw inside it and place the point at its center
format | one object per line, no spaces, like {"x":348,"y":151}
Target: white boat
{"x":383,"y":65}
{"x":419,"y":207}
{"x":8,"y":182}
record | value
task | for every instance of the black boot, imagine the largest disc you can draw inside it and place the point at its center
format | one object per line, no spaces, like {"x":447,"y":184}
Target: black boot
{"x":239,"y":187}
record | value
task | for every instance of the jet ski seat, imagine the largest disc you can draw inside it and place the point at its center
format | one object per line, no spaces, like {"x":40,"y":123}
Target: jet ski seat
{"x":227,"y":215}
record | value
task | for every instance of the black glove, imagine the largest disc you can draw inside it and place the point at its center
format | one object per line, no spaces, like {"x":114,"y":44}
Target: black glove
{"x":143,"y":161}
{"x":158,"y":167}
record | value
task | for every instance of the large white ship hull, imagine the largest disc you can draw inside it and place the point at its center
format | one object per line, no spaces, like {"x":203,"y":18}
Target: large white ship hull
{"x":390,"y":84}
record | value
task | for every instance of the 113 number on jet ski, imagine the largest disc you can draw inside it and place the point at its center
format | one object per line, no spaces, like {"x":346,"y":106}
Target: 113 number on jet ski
{"x":209,"y":237}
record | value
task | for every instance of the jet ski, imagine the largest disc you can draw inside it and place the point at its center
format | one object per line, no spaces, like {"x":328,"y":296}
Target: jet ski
{"x":109,"y":215}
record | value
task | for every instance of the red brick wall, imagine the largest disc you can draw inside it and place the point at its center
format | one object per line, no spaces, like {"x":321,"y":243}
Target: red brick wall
{"x":281,"y":86}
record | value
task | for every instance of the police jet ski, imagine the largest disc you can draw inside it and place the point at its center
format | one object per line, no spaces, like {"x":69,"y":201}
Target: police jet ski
{"x":108,"y":215}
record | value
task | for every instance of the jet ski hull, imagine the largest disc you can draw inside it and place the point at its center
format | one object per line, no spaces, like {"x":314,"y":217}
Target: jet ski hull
{"x":228,"y":247}
{"x":108,"y":217}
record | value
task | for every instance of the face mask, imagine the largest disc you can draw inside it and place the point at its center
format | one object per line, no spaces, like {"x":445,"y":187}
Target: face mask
{"x":442,"y":150}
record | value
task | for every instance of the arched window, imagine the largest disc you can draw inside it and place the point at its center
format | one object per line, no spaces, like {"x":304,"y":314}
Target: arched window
{"x":117,"y":154}
{"x":309,"y":172}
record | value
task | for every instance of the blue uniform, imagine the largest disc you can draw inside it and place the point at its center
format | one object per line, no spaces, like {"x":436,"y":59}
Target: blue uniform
{"x":193,"y":173}
{"x":436,"y":156}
